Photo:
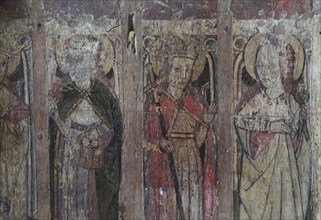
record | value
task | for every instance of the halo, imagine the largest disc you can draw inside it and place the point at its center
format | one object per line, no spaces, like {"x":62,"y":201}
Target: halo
{"x":199,"y":63}
{"x":251,"y":49}
{"x":197,"y":69}
{"x":250,"y":53}
{"x":299,"y":55}
{"x":156,"y":64}
{"x":107,"y":55}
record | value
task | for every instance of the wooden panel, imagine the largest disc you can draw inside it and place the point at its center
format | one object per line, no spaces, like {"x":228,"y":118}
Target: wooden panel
{"x":40,"y":138}
{"x":132,"y":96}
{"x":179,"y":141}
{"x":316,"y":118}
{"x":272,"y":123}
{"x":224,"y":119}
{"x":16,"y":148}
{"x":86,"y":125}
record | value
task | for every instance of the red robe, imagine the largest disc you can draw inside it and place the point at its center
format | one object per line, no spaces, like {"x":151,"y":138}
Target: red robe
{"x":160,"y":193}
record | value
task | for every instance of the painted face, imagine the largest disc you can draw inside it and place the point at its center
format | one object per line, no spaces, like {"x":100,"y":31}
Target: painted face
{"x":180,"y":72}
{"x":79,"y":59}
{"x":81,"y":65}
{"x":267,"y":66}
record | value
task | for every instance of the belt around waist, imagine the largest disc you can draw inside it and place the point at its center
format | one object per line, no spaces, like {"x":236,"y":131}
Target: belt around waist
{"x":182,"y":135}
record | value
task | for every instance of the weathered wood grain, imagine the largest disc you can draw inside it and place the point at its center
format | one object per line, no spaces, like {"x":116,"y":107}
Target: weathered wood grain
{"x":131,"y":193}
{"x":40,"y":138}
{"x":225,"y":131}
{"x":316,"y":119}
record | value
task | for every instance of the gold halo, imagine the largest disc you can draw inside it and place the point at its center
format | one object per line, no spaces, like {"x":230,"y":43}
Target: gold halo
{"x":299,"y":55}
{"x":251,"y":49}
{"x":156,"y":64}
{"x":250,"y":53}
{"x":107,"y":60}
{"x":198,"y":69}
{"x":199,"y":63}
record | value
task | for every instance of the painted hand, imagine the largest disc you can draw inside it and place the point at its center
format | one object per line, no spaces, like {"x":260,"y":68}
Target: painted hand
{"x":166,"y":146}
{"x":280,"y":127}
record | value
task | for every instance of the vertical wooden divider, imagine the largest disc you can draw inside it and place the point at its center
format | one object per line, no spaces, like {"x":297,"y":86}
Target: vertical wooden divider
{"x":225,"y":128}
{"x":315,"y":90}
{"x":40,"y":110}
{"x":131,"y":194}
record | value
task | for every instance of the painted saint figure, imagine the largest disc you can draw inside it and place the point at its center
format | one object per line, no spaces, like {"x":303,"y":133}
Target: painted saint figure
{"x":272,"y":130}
{"x":86,"y":142}
{"x":14,"y":115}
{"x":181,"y":146}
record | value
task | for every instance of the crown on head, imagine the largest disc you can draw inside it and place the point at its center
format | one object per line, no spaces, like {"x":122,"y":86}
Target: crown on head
{"x":174,"y":46}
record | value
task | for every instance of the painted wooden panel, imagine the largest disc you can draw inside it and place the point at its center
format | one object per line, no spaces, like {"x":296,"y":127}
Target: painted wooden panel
{"x":179,"y":137}
{"x":16,"y":149}
{"x":272,"y":125}
{"x":86,"y":128}
{"x":137,"y":109}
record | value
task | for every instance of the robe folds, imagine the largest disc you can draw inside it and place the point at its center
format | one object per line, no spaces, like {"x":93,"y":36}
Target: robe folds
{"x":14,"y":151}
{"x":72,"y":184}
{"x":275,"y":176}
{"x":194,"y":157}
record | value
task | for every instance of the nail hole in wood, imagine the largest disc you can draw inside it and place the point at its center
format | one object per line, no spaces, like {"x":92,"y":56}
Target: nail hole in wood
{"x":39,"y":26}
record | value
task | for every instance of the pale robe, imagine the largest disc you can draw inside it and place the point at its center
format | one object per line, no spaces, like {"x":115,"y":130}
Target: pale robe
{"x":274,"y":184}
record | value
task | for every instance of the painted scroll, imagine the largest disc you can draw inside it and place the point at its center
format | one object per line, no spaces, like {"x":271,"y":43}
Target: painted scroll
{"x":274,"y":155}
{"x":180,"y":148}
